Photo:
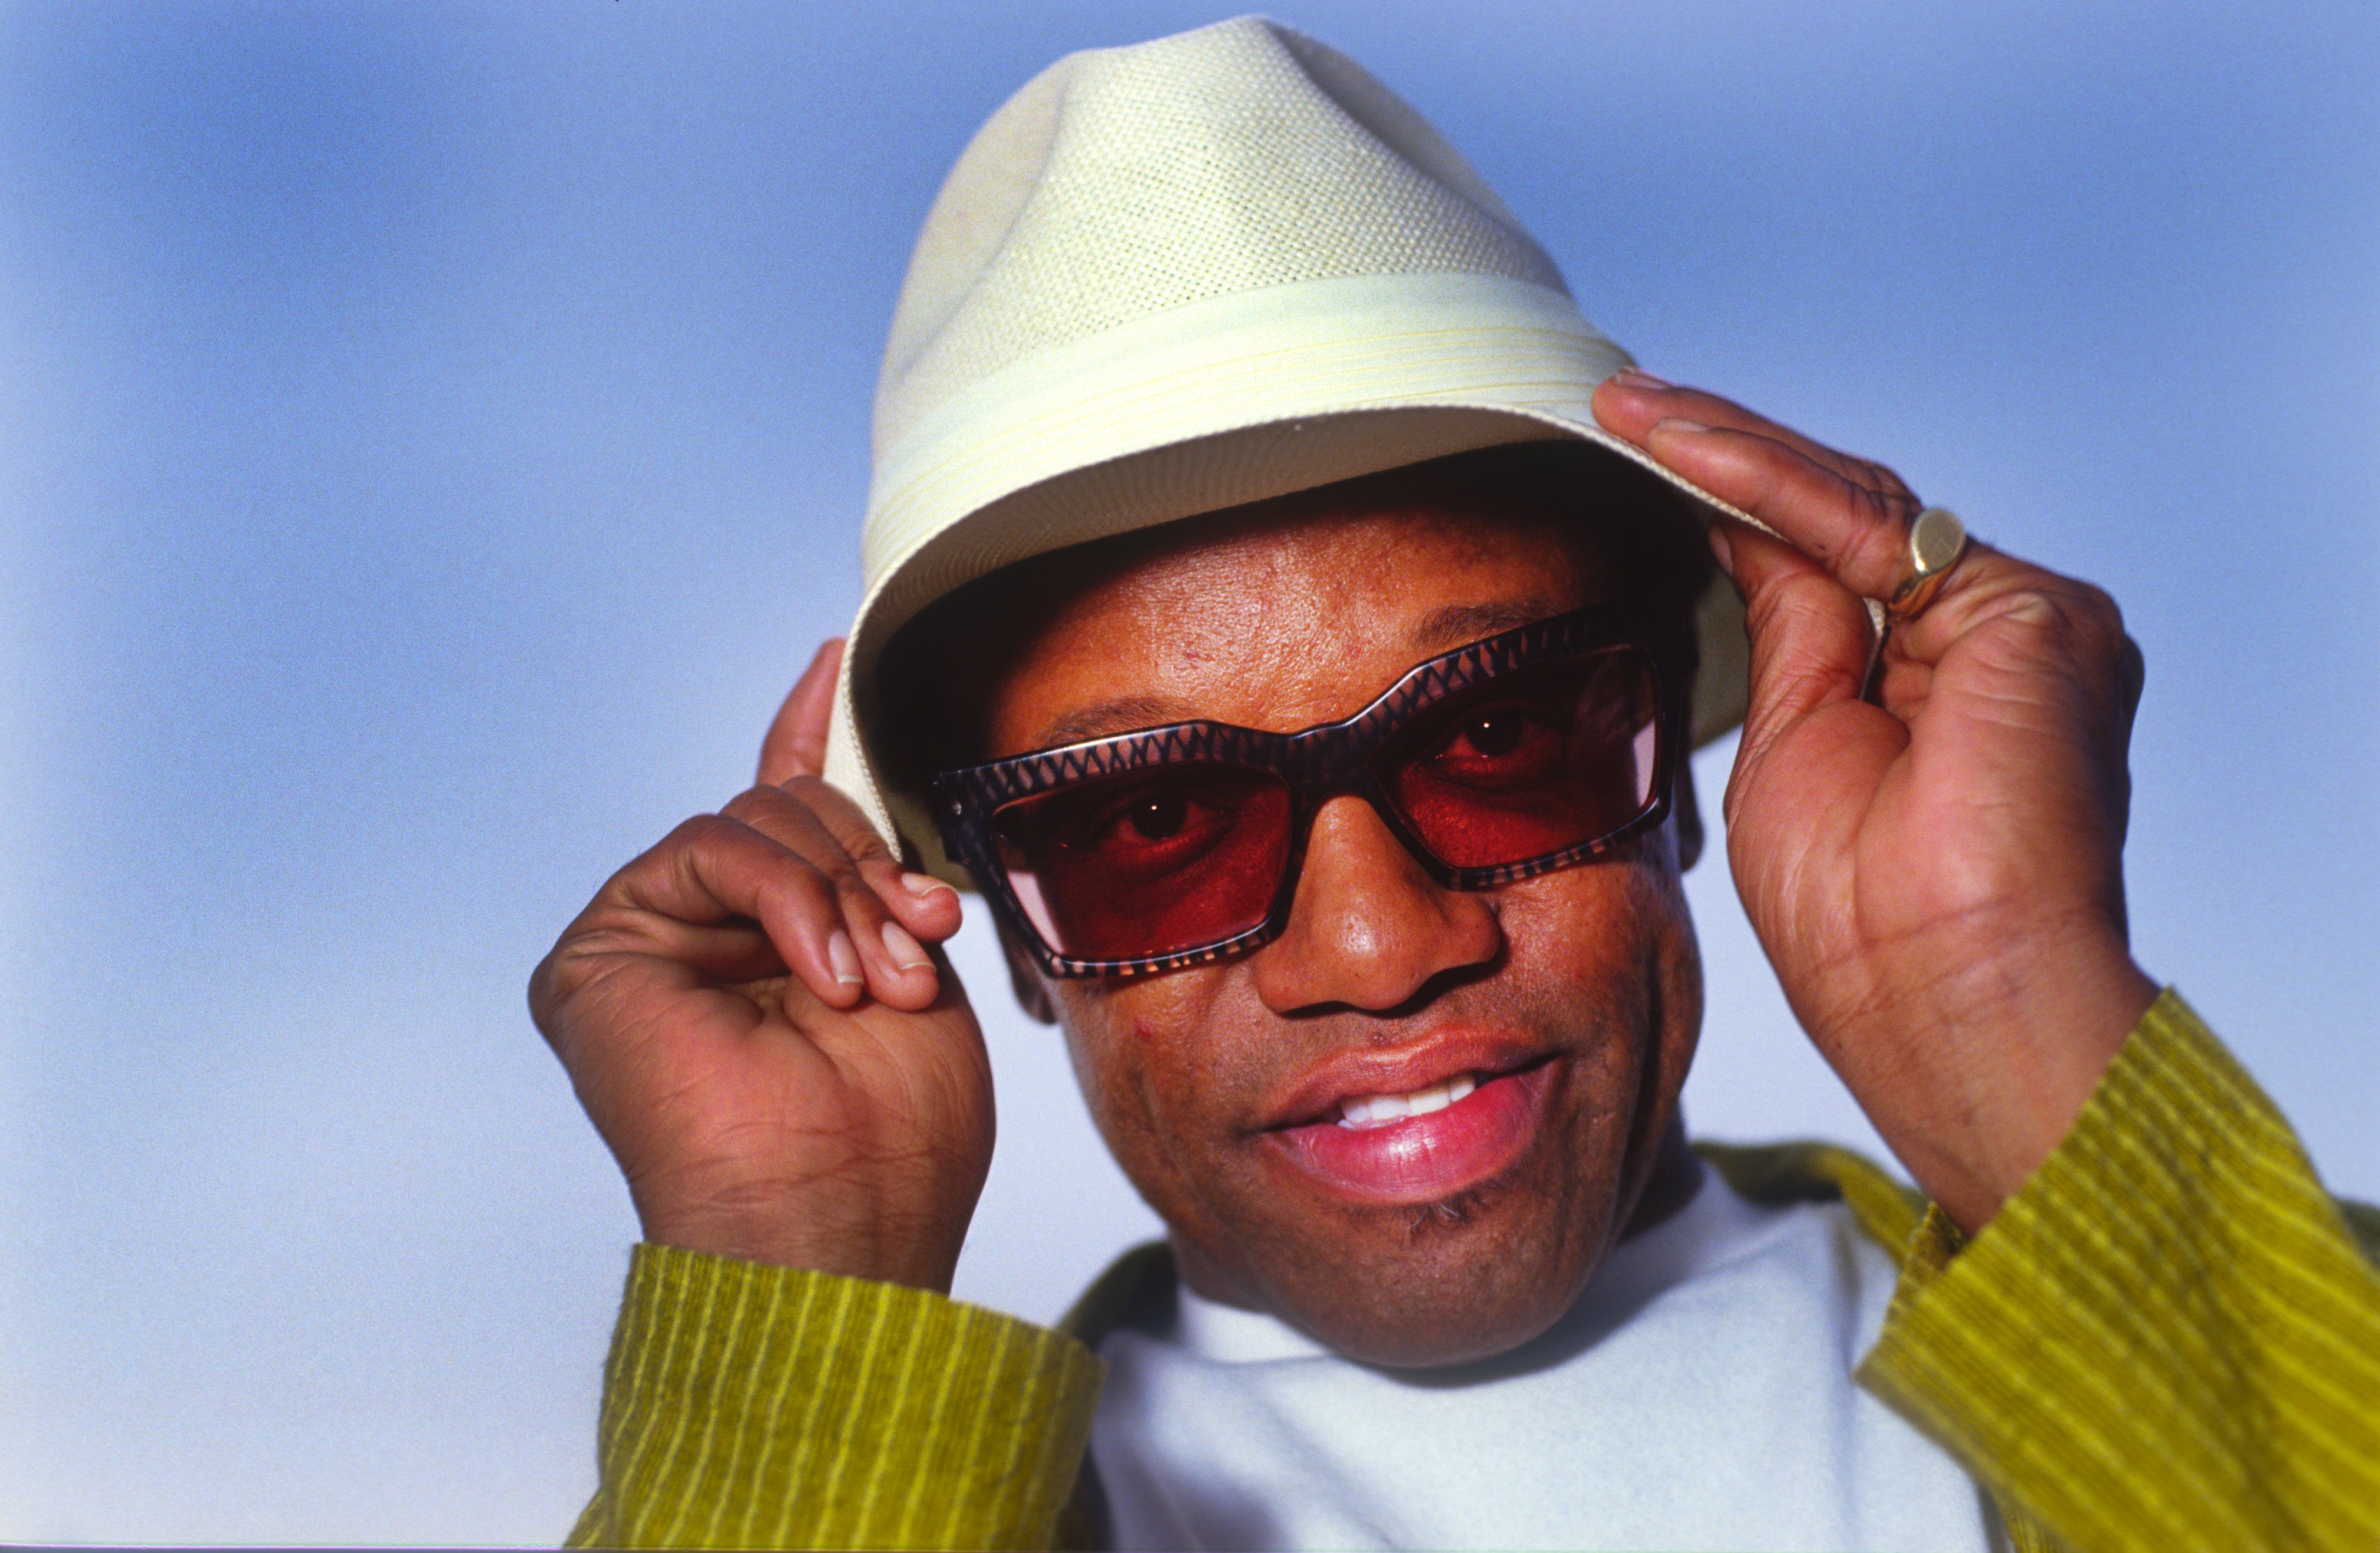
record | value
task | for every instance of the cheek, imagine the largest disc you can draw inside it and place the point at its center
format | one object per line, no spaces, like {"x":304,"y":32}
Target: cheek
{"x":1613,"y":944}
{"x":1148,"y":1055}
{"x":1589,"y":932}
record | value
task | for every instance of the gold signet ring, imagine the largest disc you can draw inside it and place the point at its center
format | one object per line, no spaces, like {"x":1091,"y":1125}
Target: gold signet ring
{"x":1937,"y":539}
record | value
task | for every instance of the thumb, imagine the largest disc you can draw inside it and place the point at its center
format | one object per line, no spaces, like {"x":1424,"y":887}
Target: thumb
{"x":796,"y":743}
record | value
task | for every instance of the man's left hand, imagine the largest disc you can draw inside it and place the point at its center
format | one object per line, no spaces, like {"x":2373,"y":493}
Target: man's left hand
{"x":1937,"y":879}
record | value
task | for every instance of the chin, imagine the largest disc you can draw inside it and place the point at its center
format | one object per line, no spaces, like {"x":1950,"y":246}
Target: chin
{"x":1424,"y":1286}
{"x":1531,"y":1179}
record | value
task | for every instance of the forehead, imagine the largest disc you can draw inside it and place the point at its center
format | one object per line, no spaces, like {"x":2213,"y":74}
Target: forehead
{"x":1276,"y":617}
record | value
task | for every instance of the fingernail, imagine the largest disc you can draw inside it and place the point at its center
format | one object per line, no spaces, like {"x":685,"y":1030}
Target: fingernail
{"x":1680,"y":424}
{"x":923,"y":885}
{"x":903,"y":949}
{"x":1723,"y":548}
{"x":844,"y":959}
{"x":1637,"y":377}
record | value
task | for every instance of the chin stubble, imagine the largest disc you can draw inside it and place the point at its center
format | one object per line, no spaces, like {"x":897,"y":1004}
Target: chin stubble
{"x":1448,"y":1213}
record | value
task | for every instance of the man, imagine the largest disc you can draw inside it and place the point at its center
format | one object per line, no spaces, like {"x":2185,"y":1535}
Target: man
{"x":1294,"y":618}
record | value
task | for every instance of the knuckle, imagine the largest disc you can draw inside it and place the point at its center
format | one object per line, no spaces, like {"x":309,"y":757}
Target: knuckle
{"x":547,"y":990}
{"x":1885,"y":483}
{"x":703,"y":841}
{"x":2101,"y":607}
{"x":702,"y":833}
{"x":857,"y":896}
{"x":799,"y":890}
{"x":2037,"y":609}
{"x":1773,"y":467}
{"x":2061,"y":628}
{"x":814,"y":877}
{"x":752,"y":801}
{"x":1878,"y":531}
{"x":2081,"y":617}
{"x":672,"y":858}
{"x":563,"y":976}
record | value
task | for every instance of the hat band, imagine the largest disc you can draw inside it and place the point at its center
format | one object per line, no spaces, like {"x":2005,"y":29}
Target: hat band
{"x":1280,"y":353}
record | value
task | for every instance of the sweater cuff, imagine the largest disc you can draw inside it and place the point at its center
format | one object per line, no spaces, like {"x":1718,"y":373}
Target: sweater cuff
{"x":748,"y":1406}
{"x":2167,"y":1337}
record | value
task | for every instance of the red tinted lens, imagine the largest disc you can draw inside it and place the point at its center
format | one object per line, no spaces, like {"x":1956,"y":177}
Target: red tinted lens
{"x":1531,"y":763}
{"x":1146,"y":863}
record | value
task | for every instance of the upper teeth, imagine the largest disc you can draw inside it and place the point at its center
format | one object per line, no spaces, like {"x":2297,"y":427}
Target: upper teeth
{"x":1374,"y":1111}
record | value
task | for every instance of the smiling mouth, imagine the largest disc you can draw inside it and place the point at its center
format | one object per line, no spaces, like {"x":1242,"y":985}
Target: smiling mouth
{"x":1359,"y":1112}
{"x":1420,"y":1145}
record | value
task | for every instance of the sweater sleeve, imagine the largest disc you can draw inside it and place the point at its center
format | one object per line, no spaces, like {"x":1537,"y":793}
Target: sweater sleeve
{"x":2170,"y":1338}
{"x":755,"y":1406}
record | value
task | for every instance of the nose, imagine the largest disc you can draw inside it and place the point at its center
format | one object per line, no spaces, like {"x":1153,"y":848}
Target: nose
{"x":1368,"y":927}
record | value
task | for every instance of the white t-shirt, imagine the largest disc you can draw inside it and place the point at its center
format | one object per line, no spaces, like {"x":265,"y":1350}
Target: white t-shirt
{"x":1699,"y":1395}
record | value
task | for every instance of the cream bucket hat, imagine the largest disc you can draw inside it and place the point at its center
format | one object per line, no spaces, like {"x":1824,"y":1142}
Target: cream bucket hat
{"x":1175,"y":278}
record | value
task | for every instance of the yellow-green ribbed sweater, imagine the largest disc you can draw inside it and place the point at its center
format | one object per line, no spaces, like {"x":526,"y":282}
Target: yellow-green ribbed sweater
{"x":2169,"y":1340}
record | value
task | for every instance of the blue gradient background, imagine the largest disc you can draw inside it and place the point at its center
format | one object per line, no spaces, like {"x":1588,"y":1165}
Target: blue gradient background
{"x":431,"y":439}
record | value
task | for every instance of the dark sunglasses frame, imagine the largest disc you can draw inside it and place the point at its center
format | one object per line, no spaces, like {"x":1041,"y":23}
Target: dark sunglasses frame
{"x":1316,"y":764}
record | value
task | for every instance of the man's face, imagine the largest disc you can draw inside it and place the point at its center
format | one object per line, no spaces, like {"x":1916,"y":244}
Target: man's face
{"x":1569,"y":1002}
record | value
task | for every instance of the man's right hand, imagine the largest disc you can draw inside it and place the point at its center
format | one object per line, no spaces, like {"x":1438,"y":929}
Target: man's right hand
{"x":783,"y":1072}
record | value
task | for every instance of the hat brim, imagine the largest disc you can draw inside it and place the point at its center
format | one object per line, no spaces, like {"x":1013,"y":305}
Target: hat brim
{"x":1253,"y":395}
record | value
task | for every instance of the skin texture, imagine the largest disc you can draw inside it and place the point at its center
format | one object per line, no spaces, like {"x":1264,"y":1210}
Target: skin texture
{"x":1937,"y":880}
{"x":1590,"y":970}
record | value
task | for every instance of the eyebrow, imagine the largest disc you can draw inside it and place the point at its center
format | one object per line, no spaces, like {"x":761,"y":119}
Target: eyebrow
{"x":1121,"y":715}
{"x":1458,"y":624}
{"x":1438,"y":631}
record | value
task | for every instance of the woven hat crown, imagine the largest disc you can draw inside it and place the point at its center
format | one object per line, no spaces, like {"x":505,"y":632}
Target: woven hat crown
{"x":1123,"y":182}
{"x":1177,"y":277}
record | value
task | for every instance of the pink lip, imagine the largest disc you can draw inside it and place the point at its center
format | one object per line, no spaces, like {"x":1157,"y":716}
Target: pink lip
{"x":1422,"y":1159}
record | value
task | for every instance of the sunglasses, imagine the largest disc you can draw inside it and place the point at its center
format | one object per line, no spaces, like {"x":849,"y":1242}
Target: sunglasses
{"x":1173,"y":846}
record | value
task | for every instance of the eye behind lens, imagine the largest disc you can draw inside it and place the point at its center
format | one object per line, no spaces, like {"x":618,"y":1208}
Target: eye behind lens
{"x":1161,"y":817}
{"x":1531,"y":763}
{"x":1495,"y":733}
{"x":1149,"y":862}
